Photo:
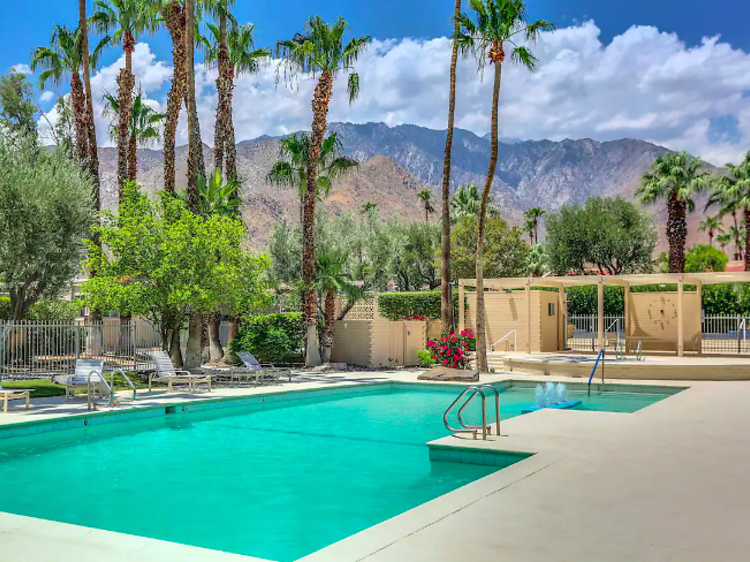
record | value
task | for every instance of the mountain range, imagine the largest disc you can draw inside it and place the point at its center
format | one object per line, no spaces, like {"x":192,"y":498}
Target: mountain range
{"x":397,"y":162}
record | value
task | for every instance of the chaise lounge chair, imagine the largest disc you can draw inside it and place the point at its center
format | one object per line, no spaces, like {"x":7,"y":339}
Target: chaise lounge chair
{"x":262,"y":371}
{"x":8,"y":394}
{"x":80,"y":379}
{"x":166,"y":372}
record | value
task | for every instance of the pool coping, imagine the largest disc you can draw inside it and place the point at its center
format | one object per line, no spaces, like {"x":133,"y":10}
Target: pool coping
{"x":372,"y":539}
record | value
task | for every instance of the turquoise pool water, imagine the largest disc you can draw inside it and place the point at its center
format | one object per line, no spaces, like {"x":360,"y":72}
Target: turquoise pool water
{"x":276,"y":483}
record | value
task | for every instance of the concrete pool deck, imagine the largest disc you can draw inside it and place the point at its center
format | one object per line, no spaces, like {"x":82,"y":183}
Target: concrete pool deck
{"x":664,"y":483}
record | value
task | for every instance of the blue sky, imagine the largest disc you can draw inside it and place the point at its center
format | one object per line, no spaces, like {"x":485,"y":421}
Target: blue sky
{"x":613,"y":69}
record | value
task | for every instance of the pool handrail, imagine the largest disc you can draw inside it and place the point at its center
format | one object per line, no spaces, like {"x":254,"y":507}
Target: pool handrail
{"x":473,"y":429}
{"x":593,"y":371}
{"x":127,"y":380}
{"x":467,"y":429}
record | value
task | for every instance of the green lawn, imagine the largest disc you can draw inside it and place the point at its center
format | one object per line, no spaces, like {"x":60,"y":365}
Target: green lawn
{"x":41,"y":387}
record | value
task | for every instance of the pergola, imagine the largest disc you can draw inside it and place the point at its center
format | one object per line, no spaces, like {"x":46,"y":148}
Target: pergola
{"x":625,"y":281}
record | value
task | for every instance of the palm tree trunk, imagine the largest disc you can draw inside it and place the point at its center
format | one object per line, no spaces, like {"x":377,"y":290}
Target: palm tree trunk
{"x":222,"y":87}
{"x":676,"y":235}
{"x":126,"y":82}
{"x":93,"y":154}
{"x":132,"y":157}
{"x":79,"y":117}
{"x":481,"y":220}
{"x":330,"y":310}
{"x":426,"y":213}
{"x":230,"y":146}
{"x":175,"y":25}
{"x":321,"y":99}
{"x":196,"y":164}
{"x":446,"y":302}
{"x":710,"y":236}
{"x":747,"y":239}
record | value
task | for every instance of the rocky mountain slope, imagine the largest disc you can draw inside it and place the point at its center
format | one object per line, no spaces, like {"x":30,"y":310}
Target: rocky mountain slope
{"x":399,"y":161}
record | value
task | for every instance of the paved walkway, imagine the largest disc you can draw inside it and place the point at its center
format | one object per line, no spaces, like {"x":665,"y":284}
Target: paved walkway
{"x":668,"y":483}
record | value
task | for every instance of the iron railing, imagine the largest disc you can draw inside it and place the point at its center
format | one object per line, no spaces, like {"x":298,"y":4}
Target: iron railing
{"x":41,"y":350}
{"x":726,"y":334}
{"x":583,"y":332}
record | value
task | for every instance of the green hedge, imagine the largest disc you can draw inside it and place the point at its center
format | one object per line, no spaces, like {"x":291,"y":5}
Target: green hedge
{"x":271,"y":337}
{"x":585,"y":300}
{"x":401,"y":306}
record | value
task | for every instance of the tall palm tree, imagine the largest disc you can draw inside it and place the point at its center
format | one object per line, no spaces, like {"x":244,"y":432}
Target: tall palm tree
{"x":674,"y":177}
{"x":533,"y":215}
{"x":424,"y":197}
{"x":319,"y":50}
{"x":93,"y":145}
{"x":237,"y":58}
{"x":144,"y":127}
{"x":173,"y":14}
{"x":498,"y":23}
{"x":465,"y":202}
{"x":126,"y":20}
{"x":446,"y":300}
{"x":332,"y":278}
{"x":724,"y":240}
{"x":196,"y":163}
{"x":528,"y":226}
{"x":712,"y":225}
{"x":291,"y":170}
{"x":63,"y":58}
{"x":737,"y":190}
{"x":739,"y":237}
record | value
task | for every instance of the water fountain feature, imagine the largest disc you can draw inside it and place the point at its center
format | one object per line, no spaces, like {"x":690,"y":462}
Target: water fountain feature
{"x":551,"y":395}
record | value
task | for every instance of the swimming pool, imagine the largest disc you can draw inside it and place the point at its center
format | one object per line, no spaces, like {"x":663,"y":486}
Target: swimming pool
{"x":276,"y":480}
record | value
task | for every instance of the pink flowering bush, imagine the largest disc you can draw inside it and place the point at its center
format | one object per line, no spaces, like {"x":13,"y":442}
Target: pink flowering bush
{"x":452,"y":350}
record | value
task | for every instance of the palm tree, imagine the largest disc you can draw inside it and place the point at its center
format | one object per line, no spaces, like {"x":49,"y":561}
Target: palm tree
{"x":332,"y":278}
{"x":321,"y":51}
{"x":724,"y":240}
{"x":64,"y":57}
{"x":93,"y":145}
{"x":528,"y":226}
{"x":533,"y":215}
{"x":735,"y":191}
{"x":424,"y":197}
{"x":144,"y":127}
{"x":738,"y":236}
{"x":674,"y":177}
{"x":173,"y":14}
{"x":465,"y":202}
{"x":538,"y":261}
{"x":127,"y":20}
{"x":291,"y":170}
{"x":498,"y":23}
{"x":712,"y":225}
{"x":446,"y":301}
{"x":240,"y":57}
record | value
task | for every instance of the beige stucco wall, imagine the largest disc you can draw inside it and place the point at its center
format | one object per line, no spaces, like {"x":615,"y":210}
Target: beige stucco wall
{"x":352,"y":342}
{"x":378,"y":343}
{"x":653,"y":321}
{"x":549,"y":325}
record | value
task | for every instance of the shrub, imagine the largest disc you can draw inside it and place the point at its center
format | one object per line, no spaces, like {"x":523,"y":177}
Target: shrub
{"x":412,"y":306}
{"x":585,"y":300}
{"x":271,"y":337}
{"x":452,"y":350}
{"x":5,"y":308}
{"x":45,"y":310}
{"x":424,"y":359}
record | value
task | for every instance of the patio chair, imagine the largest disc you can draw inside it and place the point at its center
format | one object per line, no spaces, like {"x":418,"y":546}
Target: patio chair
{"x":262,"y":371}
{"x":166,"y":372}
{"x":80,"y":379}
{"x":8,"y":394}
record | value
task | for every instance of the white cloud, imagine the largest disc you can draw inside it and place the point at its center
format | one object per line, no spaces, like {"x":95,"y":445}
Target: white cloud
{"x":22,"y":68}
{"x":644,"y":84}
{"x":46,"y":96}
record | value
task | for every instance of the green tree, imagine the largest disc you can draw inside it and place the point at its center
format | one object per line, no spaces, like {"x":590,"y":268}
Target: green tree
{"x":235,"y":55}
{"x":63,"y":58}
{"x":166,"y":263}
{"x":144,"y":127}
{"x":674,"y":177}
{"x":17,"y":107}
{"x":611,"y":235}
{"x":46,"y":211}
{"x":414,"y":251}
{"x":533,"y":216}
{"x":291,"y":170}
{"x":498,"y":23}
{"x":320,"y":51}
{"x":712,"y":225}
{"x":734,"y":190}
{"x":126,"y":21}
{"x":64,"y":130}
{"x":538,"y":263}
{"x":704,"y":257}
{"x":724,"y":240}
{"x":424,"y":197}
{"x":739,"y":237}
{"x":446,"y":306}
{"x":465,"y":202}
{"x":332,"y":278}
{"x":506,"y":254}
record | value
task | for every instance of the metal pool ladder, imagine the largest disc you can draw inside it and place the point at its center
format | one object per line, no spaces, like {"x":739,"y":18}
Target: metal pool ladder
{"x":472,"y":392}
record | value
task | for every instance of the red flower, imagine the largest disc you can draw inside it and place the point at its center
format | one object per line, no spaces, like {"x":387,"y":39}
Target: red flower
{"x":434,"y":357}
{"x":445,"y":361}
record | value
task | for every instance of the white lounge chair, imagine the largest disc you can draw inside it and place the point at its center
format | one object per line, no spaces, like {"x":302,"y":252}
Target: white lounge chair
{"x":88,"y":371}
{"x":8,"y":394}
{"x":262,"y":371}
{"x":166,"y":372}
